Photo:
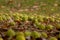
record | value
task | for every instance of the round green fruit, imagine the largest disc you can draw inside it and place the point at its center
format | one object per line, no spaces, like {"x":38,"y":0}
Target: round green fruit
{"x":20,"y":33}
{"x":52,"y":19}
{"x":12,"y":23}
{"x":4,"y":17}
{"x":16,"y":17}
{"x":19,"y":37}
{"x":49,"y":27}
{"x":40,"y":26}
{"x":53,"y":38}
{"x":27,"y":33}
{"x":10,"y":33}
{"x":35,"y":34}
{"x":44,"y":35}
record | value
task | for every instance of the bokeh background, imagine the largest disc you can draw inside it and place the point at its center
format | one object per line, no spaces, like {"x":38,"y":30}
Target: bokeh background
{"x":43,"y":7}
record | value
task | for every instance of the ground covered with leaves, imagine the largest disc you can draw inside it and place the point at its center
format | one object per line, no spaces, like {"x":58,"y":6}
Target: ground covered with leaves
{"x":29,"y":27}
{"x":29,"y":19}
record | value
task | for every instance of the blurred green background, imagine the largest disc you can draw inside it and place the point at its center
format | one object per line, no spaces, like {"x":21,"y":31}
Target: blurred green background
{"x":43,"y":7}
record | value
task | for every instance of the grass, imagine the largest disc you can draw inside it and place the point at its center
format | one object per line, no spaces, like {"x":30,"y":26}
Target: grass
{"x":49,"y":7}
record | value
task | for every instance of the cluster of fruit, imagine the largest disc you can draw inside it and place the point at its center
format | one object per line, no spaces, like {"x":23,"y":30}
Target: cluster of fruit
{"x":29,"y":27}
{"x":27,"y":35}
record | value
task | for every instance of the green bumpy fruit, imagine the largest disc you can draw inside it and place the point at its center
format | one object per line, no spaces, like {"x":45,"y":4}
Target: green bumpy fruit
{"x":44,"y":34}
{"x":16,"y":17}
{"x":7,"y":16}
{"x":40,"y":26}
{"x":19,"y":33}
{"x":53,"y":38}
{"x":12,"y":23}
{"x":20,"y":36}
{"x":40,"y":18}
{"x":10,"y":33}
{"x":35,"y":34}
{"x":36,"y":21}
{"x":4,"y":17}
{"x":27,"y":33}
{"x":1,"y":38}
{"x":52,"y":19}
{"x":45,"y":18}
{"x":49,"y":27}
{"x":31,"y":18}
{"x":24,"y":18}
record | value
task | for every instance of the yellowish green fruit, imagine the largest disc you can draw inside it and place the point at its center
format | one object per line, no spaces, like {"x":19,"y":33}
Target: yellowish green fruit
{"x":12,"y":23}
{"x":53,"y":38}
{"x":40,"y":26}
{"x":52,"y":19}
{"x":36,"y":34}
{"x":10,"y":33}
{"x":49,"y":27}
{"x":20,"y":33}
{"x":19,"y":37}
{"x":44,"y":34}
{"x":27,"y":33}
